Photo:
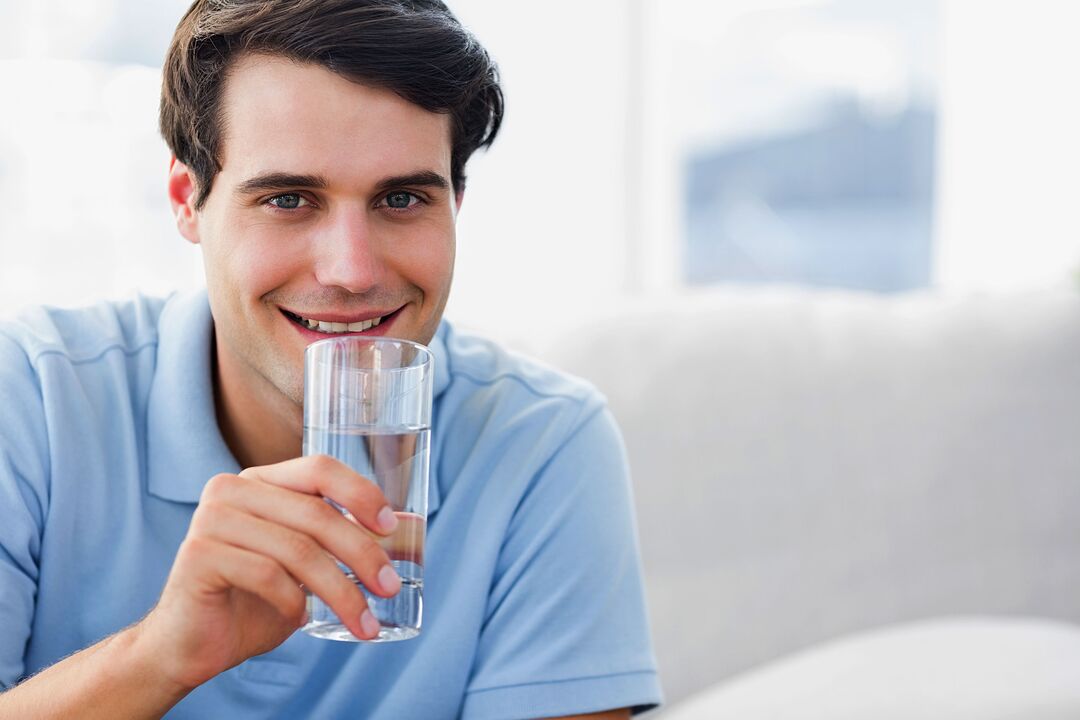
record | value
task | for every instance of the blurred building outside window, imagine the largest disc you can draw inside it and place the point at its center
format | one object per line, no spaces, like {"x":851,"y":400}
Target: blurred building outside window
{"x":808,"y":134}
{"x":880,"y":145}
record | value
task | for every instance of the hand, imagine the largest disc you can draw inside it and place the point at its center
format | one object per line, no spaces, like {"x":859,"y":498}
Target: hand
{"x":234,"y":589}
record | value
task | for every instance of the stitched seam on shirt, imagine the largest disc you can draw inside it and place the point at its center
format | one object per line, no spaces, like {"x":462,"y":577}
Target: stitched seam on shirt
{"x":451,"y":332}
{"x":94,"y":358}
{"x":561,"y":682}
{"x":47,"y":442}
{"x":510,"y":376}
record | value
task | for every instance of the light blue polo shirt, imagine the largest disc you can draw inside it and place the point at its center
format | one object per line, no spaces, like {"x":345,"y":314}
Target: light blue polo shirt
{"x":533,"y":600}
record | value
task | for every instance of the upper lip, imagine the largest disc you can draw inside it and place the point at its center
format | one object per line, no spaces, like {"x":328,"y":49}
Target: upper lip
{"x":341,"y":317}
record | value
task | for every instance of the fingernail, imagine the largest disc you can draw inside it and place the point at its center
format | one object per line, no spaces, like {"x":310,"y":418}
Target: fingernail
{"x":369,"y":624}
{"x":387,"y":519}
{"x":389,"y":580}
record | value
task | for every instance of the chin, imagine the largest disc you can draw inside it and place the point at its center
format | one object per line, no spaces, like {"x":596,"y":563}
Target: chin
{"x":288,"y":380}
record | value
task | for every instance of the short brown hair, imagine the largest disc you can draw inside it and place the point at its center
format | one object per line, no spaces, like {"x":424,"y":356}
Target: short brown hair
{"x":415,"y":48}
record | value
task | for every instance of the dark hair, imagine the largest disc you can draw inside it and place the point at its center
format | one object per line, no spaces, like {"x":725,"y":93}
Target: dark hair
{"x":415,"y":48}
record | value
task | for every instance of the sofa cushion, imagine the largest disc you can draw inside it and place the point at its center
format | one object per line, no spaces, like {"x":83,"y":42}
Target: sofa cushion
{"x":970,"y":668}
{"x":810,"y":464}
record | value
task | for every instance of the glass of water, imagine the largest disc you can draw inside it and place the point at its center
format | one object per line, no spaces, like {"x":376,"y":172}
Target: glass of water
{"x":367,"y":402}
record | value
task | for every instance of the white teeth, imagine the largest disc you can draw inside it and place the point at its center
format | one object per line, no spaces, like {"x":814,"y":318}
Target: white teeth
{"x":339,"y":327}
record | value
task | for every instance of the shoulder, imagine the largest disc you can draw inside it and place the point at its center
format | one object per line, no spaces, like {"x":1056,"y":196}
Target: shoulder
{"x":484,"y":374}
{"x":69,"y":377}
{"x":502,"y":418}
{"x":82,"y":335}
{"x":69,"y":367}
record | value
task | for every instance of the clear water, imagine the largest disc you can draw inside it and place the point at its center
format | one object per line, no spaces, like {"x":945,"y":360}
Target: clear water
{"x":399,"y":617}
{"x":397,"y":461}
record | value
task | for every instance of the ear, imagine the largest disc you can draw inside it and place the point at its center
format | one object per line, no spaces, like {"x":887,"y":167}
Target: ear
{"x":459,"y":196}
{"x":181,"y":187}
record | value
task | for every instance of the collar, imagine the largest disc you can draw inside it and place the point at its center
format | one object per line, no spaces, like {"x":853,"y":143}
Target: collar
{"x":184,"y":444}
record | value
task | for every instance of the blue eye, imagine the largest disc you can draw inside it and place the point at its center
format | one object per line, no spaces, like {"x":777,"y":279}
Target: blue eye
{"x":288,"y":201}
{"x":400,"y":200}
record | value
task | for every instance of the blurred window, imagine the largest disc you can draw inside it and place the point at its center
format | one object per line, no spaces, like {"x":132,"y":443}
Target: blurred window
{"x":807,"y":136}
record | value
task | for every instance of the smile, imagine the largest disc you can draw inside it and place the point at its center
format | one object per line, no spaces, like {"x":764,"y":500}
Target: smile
{"x":334,"y":326}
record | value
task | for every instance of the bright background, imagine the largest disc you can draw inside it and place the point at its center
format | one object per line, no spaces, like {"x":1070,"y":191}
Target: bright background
{"x":649,"y":148}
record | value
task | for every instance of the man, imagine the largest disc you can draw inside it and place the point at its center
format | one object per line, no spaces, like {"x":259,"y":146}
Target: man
{"x":319,"y":152}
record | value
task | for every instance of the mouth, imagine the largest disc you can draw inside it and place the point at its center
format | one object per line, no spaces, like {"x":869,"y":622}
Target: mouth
{"x":328,"y":325}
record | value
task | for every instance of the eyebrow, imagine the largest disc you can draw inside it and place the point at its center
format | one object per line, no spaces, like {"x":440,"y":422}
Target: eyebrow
{"x":280,"y":180}
{"x":424,"y":178}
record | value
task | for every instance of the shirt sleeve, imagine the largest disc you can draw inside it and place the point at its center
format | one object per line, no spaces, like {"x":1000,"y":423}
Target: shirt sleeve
{"x":23,"y":504}
{"x":566,"y":630}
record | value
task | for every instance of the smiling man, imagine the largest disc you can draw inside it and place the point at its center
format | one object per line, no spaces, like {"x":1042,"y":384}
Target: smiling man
{"x":334,"y":207}
{"x":160,"y":528}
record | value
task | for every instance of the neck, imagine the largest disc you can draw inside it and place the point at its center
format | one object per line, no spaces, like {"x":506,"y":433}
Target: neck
{"x":260,"y":425}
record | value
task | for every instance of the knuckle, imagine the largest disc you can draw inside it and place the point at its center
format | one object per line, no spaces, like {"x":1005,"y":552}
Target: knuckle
{"x":367,"y":491}
{"x":348,"y":496}
{"x":249,"y":473}
{"x":218,"y":486}
{"x":364,"y":497}
{"x":195,"y":546}
{"x":349,"y":597}
{"x":194,"y":552}
{"x":323,"y":463}
{"x":371,"y":555}
{"x":264,"y":571}
{"x":302,"y":550}
{"x":204,"y":518}
{"x":294,"y":603}
{"x":317,"y":513}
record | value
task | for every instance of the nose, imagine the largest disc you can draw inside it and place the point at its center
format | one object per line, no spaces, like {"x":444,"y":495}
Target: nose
{"x":347,"y":255}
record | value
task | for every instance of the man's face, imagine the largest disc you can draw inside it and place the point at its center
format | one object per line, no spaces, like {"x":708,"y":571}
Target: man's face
{"x":333,"y":207}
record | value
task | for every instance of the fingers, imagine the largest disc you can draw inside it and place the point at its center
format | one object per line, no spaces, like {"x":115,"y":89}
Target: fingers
{"x":296,"y":529}
{"x":257,"y":574}
{"x":330,"y":478}
{"x":298,"y":556}
{"x":270,"y":530}
{"x":407,"y":542}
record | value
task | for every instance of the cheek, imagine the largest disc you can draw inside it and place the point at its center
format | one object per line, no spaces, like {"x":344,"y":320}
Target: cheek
{"x":257,"y":262}
{"x":430,"y":262}
{"x":265,"y":271}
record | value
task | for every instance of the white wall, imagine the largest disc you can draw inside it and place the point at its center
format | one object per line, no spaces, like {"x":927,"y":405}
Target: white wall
{"x":542,"y":232}
{"x":82,"y":168}
{"x":1009,"y":149}
{"x":84,"y":180}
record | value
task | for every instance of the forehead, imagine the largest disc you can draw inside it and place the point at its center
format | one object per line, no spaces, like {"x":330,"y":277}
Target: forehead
{"x":284,"y":116}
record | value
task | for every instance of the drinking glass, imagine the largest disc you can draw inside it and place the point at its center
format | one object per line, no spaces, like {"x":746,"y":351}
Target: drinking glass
{"x":367,"y":402}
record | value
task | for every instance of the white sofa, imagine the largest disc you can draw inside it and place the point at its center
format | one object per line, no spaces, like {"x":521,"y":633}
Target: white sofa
{"x":886,"y":487}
